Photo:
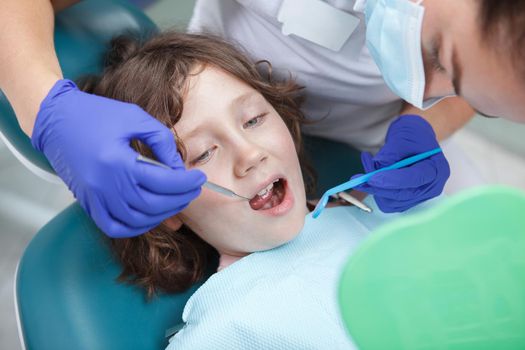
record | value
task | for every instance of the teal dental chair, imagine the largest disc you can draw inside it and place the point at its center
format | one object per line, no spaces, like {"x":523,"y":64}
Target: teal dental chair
{"x":66,"y":293}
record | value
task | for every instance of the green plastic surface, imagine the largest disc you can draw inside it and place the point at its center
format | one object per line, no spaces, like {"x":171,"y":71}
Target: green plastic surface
{"x":449,"y":278}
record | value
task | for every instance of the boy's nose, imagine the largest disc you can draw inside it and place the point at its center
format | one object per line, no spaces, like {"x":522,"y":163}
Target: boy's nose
{"x":248,"y":159}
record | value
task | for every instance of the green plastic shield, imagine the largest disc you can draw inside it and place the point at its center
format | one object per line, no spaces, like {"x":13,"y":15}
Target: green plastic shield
{"x":449,"y":278}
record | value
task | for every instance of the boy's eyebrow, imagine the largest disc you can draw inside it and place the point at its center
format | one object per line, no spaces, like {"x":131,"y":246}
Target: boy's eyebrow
{"x":239,"y":100}
{"x":194,"y":132}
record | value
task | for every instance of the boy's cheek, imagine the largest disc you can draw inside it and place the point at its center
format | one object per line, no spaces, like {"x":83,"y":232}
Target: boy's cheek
{"x":206,"y":200}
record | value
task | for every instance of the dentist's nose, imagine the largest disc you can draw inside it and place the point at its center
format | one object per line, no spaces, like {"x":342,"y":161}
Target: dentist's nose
{"x":249,"y":157}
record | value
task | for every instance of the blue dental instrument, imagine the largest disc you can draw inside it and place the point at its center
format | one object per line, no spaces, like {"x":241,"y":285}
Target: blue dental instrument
{"x":208,"y":184}
{"x":362,"y":179}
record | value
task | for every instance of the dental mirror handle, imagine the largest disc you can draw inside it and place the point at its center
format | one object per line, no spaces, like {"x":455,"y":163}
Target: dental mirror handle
{"x":364,"y":178}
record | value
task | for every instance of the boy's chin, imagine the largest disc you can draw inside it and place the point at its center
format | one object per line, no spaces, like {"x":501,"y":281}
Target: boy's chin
{"x":290,"y":232}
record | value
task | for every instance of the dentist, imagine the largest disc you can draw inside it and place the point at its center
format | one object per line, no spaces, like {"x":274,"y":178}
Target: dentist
{"x":423,"y":50}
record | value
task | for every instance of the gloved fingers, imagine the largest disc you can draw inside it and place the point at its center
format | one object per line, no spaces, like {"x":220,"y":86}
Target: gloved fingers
{"x":363,"y":187}
{"x":388,"y":205}
{"x":356,"y":176}
{"x":368,"y":162}
{"x":409,"y":126}
{"x":167,"y":181}
{"x":150,"y":203}
{"x":393,"y":206}
{"x":111,"y":226}
{"x":132,"y":217}
{"x":158,"y":137}
{"x":414,"y":176}
{"x":385,"y":158}
{"x":378,"y":192}
{"x":402,"y":203}
{"x":395,"y":194}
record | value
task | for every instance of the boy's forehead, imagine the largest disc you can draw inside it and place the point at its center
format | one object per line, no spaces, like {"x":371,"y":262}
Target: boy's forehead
{"x":213,"y":88}
{"x":213,"y":94}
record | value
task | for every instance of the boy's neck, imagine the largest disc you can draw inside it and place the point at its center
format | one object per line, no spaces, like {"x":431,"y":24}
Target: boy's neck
{"x":226,"y":260}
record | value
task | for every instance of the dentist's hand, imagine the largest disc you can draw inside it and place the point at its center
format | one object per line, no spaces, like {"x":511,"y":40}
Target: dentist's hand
{"x":400,"y":189}
{"x":87,"y":139}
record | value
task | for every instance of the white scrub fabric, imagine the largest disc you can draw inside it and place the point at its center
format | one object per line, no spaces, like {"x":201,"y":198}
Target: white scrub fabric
{"x":345,"y":92}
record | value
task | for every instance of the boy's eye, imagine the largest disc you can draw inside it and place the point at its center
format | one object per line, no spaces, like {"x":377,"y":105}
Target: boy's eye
{"x":204,"y":157}
{"x":254,"y":121}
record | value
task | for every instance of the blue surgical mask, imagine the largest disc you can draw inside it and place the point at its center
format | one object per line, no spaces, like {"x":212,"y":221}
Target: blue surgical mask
{"x":393,"y":37}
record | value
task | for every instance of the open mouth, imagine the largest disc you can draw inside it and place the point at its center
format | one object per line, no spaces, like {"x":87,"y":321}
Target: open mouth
{"x":269,"y":197}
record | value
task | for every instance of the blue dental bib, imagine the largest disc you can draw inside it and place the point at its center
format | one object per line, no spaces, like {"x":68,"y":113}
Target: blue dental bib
{"x":283,"y":298}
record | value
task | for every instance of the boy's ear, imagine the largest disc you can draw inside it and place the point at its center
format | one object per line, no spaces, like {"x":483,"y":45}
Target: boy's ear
{"x":173,"y":222}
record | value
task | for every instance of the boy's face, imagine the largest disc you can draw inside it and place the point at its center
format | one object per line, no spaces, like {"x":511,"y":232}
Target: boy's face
{"x":237,"y":138}
{"x":458,"y":59}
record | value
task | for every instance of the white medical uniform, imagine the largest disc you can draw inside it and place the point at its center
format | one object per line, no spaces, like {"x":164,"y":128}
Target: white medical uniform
{"x":345,"y":91}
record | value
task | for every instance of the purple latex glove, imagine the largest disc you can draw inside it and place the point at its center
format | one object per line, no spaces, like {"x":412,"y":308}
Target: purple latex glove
{"x":86,"y":138}
{"x":400,"y":189}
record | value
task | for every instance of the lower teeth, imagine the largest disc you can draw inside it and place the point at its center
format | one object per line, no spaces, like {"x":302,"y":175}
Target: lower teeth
{"x":274,"y":201}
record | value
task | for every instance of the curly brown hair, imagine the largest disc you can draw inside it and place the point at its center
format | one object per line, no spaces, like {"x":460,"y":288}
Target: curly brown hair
{"x":153,"y":74}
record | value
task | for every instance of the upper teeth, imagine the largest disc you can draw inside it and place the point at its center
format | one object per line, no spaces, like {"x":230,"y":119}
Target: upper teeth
{"x":265,"y":190}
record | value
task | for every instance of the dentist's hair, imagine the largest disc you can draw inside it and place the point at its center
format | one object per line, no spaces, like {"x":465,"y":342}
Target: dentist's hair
{"x":503,"y":26}
{"x":153,"y":75}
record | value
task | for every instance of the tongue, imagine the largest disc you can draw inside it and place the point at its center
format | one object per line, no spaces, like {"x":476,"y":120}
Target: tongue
{"x":258,"y":202}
